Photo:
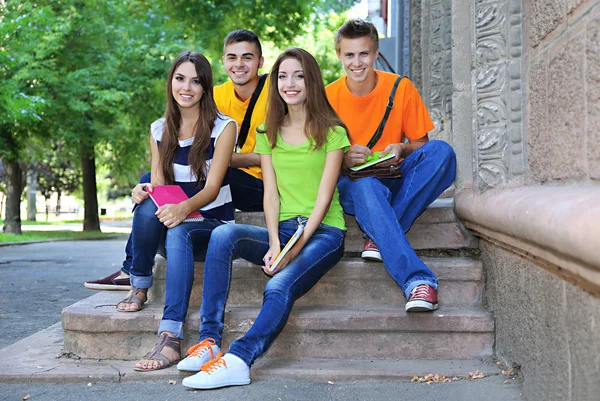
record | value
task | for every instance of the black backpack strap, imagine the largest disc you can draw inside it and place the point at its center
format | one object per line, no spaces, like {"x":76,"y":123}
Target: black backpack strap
{"x":248,"y":116}
{"x":390,"y":106}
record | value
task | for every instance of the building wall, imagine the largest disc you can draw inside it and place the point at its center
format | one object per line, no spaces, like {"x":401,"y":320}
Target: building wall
{"x":548,"y":327}
{"x":563,"y":99}
{"x":525,"y":112}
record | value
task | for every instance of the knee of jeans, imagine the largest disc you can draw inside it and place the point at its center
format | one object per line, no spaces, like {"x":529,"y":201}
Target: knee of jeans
{"x":223,"y":235}
{"x":277,"y":289}
{"x":444,"y":151}
{"x":146,"y":209}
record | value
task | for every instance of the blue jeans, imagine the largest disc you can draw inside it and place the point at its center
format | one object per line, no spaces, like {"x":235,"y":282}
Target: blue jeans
{"x":322,"y":251}
{"x":385,"y":209}
{"x":246,"y":191}
{"x":181,"y":245}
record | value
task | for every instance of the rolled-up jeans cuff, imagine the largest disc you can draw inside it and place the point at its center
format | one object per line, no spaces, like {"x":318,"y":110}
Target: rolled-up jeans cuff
{"x":417,"y":282}
{"x":176,"y":328}
{"x":142,"y":281}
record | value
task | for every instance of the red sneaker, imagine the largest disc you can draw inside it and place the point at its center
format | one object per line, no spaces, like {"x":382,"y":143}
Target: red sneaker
{"x":114,"y":282}
{"x":370,"y":251}
{"x":423,"y":298}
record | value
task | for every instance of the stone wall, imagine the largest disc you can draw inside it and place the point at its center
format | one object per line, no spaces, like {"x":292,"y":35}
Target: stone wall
{"x":563,"y":102}
{"x":548,"y":327}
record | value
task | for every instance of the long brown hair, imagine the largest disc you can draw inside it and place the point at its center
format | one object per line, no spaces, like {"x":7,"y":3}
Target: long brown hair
{"x":204,"y":125}
{"x":320,"y":116}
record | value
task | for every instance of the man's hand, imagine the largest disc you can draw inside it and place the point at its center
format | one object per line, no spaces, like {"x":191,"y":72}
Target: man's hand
{"x":356,"y":155}
{"x":397,"y":149}
{"x":140,"y":192}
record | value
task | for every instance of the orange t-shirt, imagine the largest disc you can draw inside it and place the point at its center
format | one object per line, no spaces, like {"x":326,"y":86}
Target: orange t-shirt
{"x":362,"y":114}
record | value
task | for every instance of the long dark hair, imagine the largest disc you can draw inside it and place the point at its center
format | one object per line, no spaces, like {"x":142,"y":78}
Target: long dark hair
{"x":204,"y":125}
{"x":320,"y":116}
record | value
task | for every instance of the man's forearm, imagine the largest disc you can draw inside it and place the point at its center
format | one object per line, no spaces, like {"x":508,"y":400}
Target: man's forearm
{"x":244,"y":160}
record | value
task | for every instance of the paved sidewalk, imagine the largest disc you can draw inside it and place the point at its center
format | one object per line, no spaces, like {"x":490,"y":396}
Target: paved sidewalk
{"x":39,"y":280}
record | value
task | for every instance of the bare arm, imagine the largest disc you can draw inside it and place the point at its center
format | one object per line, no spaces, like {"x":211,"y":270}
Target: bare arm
{"x":245,"y":160}
{"x":172,"y":215}
{"x":271,"y":206}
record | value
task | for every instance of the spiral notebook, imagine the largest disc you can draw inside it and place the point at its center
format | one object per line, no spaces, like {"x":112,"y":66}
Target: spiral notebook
{"x":173,"y":195}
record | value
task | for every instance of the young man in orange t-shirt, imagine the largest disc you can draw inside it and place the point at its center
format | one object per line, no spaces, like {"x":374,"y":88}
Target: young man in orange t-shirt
{"x":385,"y":208}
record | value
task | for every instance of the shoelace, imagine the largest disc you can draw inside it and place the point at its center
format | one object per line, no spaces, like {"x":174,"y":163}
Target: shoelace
{"x":420,"y":291}
{"x":214,"y":365}
{"x":199,"y":349}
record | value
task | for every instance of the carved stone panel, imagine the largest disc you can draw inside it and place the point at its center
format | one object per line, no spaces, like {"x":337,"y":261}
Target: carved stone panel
{"x":498,"y":92}
{"x":439,"y":74}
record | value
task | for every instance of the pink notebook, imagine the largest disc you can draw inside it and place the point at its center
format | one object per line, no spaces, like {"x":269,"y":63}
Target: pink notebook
{"x":172,"y":195}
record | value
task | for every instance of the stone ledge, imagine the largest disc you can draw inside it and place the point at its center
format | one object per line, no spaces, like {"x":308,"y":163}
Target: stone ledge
{"x":554,"y":227}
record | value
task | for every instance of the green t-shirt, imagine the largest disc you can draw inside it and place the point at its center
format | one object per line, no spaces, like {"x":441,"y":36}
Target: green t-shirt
{"x":299,"y":170}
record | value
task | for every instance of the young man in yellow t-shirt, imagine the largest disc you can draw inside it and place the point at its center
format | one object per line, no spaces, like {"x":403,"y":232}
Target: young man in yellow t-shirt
{"x":242,"y":58}
{"x":385,"y":208}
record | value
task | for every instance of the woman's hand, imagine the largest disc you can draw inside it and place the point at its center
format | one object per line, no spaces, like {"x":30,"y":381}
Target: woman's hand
{"x":171,"y":215}
{"x":139,"y":193}
{"x":270,"y":256}
{"x":287,"y":259}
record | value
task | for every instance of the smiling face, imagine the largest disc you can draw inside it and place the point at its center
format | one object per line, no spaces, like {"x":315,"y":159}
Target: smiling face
{"x":242,"y":62}
{"x":358,"y":59}
{"x":186,"y":88}
{"x":290,"y":82}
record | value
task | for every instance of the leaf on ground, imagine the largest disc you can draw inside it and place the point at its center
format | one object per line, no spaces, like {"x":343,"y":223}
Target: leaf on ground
{"x":431,"y":378}
{"x":90,"y":384}
{"x":508,"y":372}
{"x":172,"y":381}
{"x":28,"y":396}
{"x":330,"y":382}
{"x":506,"y":382}
{"x":475,"y":375}
{"x":39,"y":367}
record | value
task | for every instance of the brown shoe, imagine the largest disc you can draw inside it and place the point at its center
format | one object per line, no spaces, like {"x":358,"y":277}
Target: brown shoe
{"x":114,"y":282}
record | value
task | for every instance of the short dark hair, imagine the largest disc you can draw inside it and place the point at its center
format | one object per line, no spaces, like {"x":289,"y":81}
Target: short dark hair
{"x":354,"y":29}
{"x":242,"y":35}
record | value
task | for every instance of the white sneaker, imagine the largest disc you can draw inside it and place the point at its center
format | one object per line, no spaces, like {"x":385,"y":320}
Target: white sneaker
{"x":198,"y":355}
{"x":228,"y":370}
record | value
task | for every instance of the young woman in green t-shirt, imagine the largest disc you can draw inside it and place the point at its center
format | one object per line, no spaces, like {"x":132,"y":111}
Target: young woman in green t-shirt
{"x":301,"y":147}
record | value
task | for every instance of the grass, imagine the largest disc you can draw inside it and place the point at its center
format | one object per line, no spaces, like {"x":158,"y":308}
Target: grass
{"x":49,"y":235}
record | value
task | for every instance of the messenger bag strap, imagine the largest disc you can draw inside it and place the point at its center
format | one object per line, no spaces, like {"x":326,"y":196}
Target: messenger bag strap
{"x":390,"y":106}
{"x":243,"y":135}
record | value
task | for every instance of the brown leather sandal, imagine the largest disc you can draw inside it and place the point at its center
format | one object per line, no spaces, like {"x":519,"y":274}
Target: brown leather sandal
{"x":135,"y":299}
{"x":155,"y":355}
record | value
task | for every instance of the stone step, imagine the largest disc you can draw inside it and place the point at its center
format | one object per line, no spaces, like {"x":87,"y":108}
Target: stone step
{"x":40,"y":358}
{"x":437,"y":228}
{"x":94,"y":329}
{"x":352,"y":282}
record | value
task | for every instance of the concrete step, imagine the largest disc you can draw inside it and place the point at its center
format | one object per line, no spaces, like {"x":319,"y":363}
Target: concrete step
{"x":94,"y":329}
{"x":352,"y":282}
{"x":40,"y":358}
{"x":437,"y":228}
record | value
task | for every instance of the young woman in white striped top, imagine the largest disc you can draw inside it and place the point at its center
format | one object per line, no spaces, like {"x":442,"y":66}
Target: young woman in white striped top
{"x":191,"y":147}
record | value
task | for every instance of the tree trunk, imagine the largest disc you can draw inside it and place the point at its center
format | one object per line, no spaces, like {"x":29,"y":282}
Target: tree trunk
{"x":91,"y":221}
{"x":31,"y":193}
{"x":14,"y":189}
{"x":58,"y":200}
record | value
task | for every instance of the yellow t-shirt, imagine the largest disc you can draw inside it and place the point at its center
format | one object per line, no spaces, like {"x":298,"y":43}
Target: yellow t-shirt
{"x":228,"y":104}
